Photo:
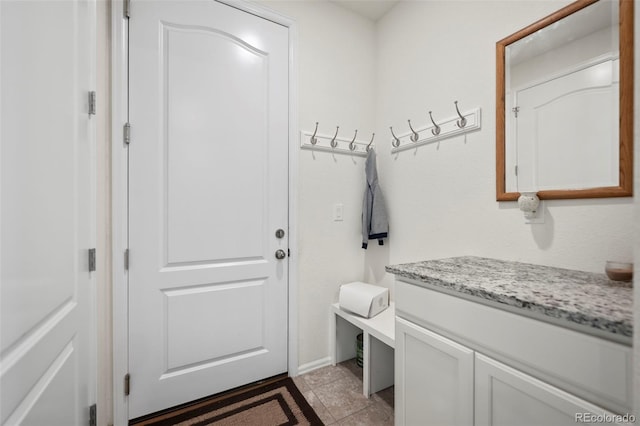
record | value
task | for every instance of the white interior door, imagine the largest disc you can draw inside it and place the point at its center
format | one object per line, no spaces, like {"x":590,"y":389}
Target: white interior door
{"x":47,"y":343}
{"x":208,"y":173}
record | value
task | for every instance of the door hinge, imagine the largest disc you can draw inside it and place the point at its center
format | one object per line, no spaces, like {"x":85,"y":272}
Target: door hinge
{"x":127,"y":384}
{"x":92,"y":103}
{"x":93,"y":415}
{"x":127,"y":6}
{"x":126,"y":260}
{"x":92,"y":260}
{"x":516,"y":169}
{"x":127,"y":133}
{"x":515,"y":110}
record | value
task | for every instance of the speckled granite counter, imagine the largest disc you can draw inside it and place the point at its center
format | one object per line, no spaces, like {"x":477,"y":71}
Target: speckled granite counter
{"x":581,"y":298}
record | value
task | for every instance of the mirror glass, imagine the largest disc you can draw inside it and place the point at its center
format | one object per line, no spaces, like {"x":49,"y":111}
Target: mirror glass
{"x":561,"y":104}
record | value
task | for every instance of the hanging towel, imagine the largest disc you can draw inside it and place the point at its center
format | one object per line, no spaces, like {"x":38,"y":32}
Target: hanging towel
{"x":375,"y":225}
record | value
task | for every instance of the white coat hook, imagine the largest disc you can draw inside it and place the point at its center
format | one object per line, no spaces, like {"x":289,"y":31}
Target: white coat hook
{"x":369,"y":146}
{"x":334,"y":142}
{"x":463,"y":121}
{"x":436,"y":130}
{"x":313,"y":139}
{"x":414,"y":135}
{"x":352,"y":144}
{"x":395,"y":142}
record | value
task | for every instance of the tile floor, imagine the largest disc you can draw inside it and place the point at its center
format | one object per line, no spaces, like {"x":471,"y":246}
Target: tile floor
{"x":335,"y":393}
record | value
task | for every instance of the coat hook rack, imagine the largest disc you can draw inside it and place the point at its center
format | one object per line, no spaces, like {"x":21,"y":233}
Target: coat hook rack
{"x":334,"y":144}
{"x":461,"y":123}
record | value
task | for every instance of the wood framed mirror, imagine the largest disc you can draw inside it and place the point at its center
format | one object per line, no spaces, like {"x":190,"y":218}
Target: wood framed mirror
{"x":545,"y":141}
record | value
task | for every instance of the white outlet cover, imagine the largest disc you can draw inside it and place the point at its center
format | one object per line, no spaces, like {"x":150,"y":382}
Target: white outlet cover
{"x":539,"y":217}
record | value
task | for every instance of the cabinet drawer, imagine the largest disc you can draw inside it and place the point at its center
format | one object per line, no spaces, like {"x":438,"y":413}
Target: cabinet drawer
{"x":594,"y":369}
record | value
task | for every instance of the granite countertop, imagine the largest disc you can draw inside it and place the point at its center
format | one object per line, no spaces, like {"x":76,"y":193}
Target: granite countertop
{"x":581,"y":298}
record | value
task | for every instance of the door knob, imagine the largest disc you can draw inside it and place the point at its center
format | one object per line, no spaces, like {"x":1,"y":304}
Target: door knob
{"x":280,"y":254}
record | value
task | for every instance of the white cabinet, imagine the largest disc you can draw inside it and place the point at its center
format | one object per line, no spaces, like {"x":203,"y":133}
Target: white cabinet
{"x":462,"y":363}
{"x":505,"y":396}
{"x":434,"y":378}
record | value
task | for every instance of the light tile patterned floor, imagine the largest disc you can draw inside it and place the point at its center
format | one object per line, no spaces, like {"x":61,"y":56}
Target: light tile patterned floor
{"x":335,"y":393}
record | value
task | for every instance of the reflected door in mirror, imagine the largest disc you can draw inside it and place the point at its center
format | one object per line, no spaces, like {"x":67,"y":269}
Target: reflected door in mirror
{"x":564,"y":130}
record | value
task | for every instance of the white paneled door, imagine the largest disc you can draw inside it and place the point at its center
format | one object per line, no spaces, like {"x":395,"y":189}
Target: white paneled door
{"x":47,"y":346}
{"x":208,"y":179}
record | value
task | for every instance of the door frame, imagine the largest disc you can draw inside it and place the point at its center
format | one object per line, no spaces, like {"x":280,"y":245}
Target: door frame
{"x":119,"y":182}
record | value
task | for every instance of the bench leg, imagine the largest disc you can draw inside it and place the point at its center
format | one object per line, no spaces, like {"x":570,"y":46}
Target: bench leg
{"x":381,"y":363}
{"x":366,"y":363}
{"x":333,"y":345}
{"x":345,"y":340}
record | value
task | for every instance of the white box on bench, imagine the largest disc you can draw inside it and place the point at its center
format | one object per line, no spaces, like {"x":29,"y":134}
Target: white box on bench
{"x":364,"y":299}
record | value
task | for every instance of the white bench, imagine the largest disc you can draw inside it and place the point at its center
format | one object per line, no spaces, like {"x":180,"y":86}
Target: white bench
{"x":378,"y":345}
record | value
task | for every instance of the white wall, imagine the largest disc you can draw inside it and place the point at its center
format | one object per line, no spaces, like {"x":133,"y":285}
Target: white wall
{"x":336,"y":57}
{"x":442,"y":196}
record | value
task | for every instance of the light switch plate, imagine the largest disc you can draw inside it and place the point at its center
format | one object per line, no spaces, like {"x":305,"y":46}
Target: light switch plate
{"x":338,"y":212}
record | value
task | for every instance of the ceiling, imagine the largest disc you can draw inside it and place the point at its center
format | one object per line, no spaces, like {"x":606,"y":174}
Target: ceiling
{"x":372,"y":9}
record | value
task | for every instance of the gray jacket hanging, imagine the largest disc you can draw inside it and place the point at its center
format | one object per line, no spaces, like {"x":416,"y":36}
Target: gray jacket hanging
{"x":375,"y":224}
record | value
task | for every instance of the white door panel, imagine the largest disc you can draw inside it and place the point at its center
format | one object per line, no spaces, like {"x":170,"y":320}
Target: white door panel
{"x":194,"y":84}
{"x":47,"y":212}
{"x":434,"y":378}
{"x":199,"y":311}
{"x":208,"y":189}
{"x":505,"y":397}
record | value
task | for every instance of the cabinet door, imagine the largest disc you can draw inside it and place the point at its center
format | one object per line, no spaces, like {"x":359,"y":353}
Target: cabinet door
{"x":434,"y":378}
{"x":505,"y":396}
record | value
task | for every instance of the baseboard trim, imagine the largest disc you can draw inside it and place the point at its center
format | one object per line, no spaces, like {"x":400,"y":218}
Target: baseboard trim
{"x":314,"y":365}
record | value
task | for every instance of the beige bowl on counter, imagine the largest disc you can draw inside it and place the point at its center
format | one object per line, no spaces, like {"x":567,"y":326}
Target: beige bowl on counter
{"x":619,"y":271}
